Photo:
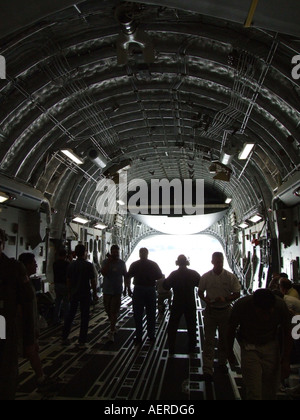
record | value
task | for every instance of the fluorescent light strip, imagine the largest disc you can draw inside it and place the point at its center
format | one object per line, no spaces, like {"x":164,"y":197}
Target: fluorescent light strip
{"x":228,"y":201}
{"x":100,"y":226}
{"x":3,"y":197}
{"x":80,"y":220}
{"x":71,"y":155}
{"x":243,"y":225}
{"x":246,"y":151}
{"x":255,"y":219}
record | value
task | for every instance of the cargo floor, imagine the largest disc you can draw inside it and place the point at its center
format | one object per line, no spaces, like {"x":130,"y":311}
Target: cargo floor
{"x":120,"y":371}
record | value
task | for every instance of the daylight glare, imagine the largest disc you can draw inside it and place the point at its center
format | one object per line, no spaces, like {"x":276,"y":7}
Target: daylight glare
{"x":165,"y":249}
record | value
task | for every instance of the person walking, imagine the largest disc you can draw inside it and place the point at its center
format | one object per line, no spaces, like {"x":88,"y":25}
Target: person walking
{"x":222,"y":289}
{"x":15,"y":292}
{"x":183,"y":282}
{"x":60,"y":269}
{"x":32,"y":351}
{"x":81,"y":279}
{"x":114,"y":272}
{"x":145,"y":273}
{"x":258,"y":318}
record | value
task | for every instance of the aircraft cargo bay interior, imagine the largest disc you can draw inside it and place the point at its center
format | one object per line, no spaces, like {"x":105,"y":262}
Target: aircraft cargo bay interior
{"x":150,"y":200}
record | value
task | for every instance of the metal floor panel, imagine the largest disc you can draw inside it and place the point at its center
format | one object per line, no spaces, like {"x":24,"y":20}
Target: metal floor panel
{"x":119,"y":371}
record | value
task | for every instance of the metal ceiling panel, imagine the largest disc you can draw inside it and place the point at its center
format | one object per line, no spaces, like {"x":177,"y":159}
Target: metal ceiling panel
{"x":273,"y":15}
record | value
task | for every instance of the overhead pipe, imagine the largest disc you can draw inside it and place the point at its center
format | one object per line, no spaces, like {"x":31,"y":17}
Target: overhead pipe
{"x":251,"y":14}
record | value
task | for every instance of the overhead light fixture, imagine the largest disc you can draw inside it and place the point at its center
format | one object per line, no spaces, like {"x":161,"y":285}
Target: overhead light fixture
{"x":121,"y":202}
{"x":3,"y":197}
{"x":100,"y":226}
{"x":255,"y":219}
{"x":228,"y":201}
{"x":244,"y":225}
{"x":245,"y":153}
{"x":81,"y":220}
{"x":96,"y":157}
{"x":226,"y":159}
{"x":71,"y":155}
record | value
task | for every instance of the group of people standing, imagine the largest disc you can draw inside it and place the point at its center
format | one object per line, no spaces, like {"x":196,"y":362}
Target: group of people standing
{"x":256,"y":318}
{"x":18,"y":306}
{"x":218,"y":289}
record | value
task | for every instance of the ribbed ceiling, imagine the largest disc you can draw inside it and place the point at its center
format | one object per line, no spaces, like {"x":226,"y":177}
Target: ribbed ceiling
{"x":213,"y":86}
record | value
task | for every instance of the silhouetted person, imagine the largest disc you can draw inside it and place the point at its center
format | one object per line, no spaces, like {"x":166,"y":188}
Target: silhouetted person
{"x":286,"y":288}
{"x":222,"y":289}
{"x":60,"y":269}
{"x":274,"y":283}
{"x":15,"y":291}
{"x":258,"y":318}
{"x":114,"y":272}
{"x":183,"y":282}
{"x":145,"y":274}
{"x":81,"y":279}
{"x":31,"y":352}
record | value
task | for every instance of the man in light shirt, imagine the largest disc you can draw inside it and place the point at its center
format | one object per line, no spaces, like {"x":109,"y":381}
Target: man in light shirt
{"x":292,"y":302}
{"x":287,"y":289}
{"x":218,"y":289}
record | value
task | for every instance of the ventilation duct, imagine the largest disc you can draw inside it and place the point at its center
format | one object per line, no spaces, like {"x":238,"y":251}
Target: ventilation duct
{"x":231,"y":149}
